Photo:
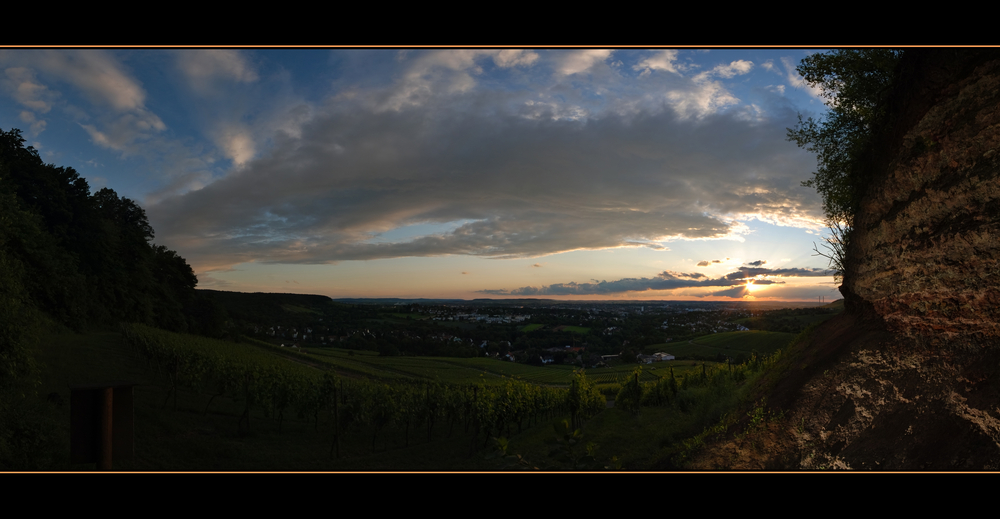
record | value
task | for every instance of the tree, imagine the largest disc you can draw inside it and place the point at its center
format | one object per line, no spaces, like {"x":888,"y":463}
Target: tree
{"x":24,"y":436}
{"x":855,"y":84}
{"x":87,"y":259}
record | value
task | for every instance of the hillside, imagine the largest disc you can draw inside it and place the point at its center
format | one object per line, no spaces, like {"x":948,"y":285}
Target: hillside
{"x":907,"y":377}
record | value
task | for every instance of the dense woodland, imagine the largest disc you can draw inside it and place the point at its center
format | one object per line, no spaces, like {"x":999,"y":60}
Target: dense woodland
{"x":89,"y":258}
{"x":83,"y":259}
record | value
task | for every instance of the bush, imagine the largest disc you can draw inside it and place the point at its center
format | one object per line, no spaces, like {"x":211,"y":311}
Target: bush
{"x":629,"y":395}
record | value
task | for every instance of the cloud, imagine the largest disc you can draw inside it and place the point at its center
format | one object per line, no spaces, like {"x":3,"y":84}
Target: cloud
{"x":428,"y":77}
{"x":748,"y":272}
{"x":525,"y":188}
{"x":733,"y":69}
{"x":117,"y":118}
{"x":704,"y":95}
{"x":736,"y":292}
{"x":507,"y":58}
{"x":206,"y":69}
{"x":662,"y":60}
{"x":757,"y":263}
{"x":35,"y":125}
{"x":537,"y":265}
{"x":206,"y":280}
{"x":550,"y":110}
{"x":707,"y":263}
{"x":434,"y":74}
{"x":598,"y":164}
{"x":798,"y":81}
{"x":666,"y":280}
{"x":237,"y":143}
{"x":669,"y":274}
{"x":127,"y":133}
{"x":24,"y":87}
{"x":242,"y":103}
{"x":705,"y":98}
{"x":579,"y":61}
{"x":96,"y":73}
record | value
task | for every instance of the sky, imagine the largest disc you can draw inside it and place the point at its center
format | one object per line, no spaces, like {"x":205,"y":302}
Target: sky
{"x":565,"y":173}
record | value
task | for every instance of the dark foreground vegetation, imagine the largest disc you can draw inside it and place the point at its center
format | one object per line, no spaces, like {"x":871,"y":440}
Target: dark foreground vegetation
{"x":84,"y":260}
{"x":210,"y":404}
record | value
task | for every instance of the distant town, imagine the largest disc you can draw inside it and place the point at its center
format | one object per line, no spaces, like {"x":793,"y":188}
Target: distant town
{"x":537,"y":332}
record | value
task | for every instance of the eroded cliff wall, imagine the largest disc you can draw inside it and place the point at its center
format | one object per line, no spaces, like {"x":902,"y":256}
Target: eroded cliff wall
{"x":925,"y":255}
{"x":909,"y":377}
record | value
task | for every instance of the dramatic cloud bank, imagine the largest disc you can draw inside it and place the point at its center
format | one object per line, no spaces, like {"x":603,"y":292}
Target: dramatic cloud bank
{"x":291,"y":159}
{"x":667,"y":280}
{"x":513,"y":183}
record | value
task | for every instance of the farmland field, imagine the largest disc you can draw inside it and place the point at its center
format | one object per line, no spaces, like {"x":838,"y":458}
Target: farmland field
{"x":407,"y":317}
{"x":800,"y":321}
{"x":450,"y":370}
{"x":728,"y":343}
{"x":574,"y":329}
{"x":447,"y":370}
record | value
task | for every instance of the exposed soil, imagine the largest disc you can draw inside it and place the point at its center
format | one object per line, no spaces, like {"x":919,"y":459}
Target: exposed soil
{"x":872,"y":404}
{"x":909,"y":377}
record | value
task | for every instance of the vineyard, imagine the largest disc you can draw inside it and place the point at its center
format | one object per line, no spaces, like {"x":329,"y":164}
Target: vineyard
{"x":449,"y":370}
{"x":250,"y":405}
{"x":729,"y":344}
{"x":262,"y":383}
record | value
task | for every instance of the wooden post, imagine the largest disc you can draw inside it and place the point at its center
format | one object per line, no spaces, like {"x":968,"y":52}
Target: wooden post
{"x":101,"y":423}
{"x":336,"y":420}
{"x":107,"y":412}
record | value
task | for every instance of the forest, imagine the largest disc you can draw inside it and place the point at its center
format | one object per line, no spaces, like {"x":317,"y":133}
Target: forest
{"x":82,"y":260}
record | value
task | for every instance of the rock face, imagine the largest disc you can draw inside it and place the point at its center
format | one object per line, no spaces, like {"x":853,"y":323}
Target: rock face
{"x":926,"y":252}
{"x":909,"y":376}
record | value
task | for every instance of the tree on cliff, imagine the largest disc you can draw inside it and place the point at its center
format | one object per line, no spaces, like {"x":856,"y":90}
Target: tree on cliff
{"x":854,"y":84}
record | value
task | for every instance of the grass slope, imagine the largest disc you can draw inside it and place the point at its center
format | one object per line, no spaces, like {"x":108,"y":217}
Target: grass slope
{"x":186,"y":437}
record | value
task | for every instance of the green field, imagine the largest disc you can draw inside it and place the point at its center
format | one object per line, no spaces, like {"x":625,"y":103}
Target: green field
{"x":728,"y":343}
{"x":298,"y":309}
{"x":449,"y":370}
{"x":561,"y":328}
{"x":799,"y":321}
{"x":574,"y":329}
{"x":446,"y":370}
{"x":408,"y":317}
